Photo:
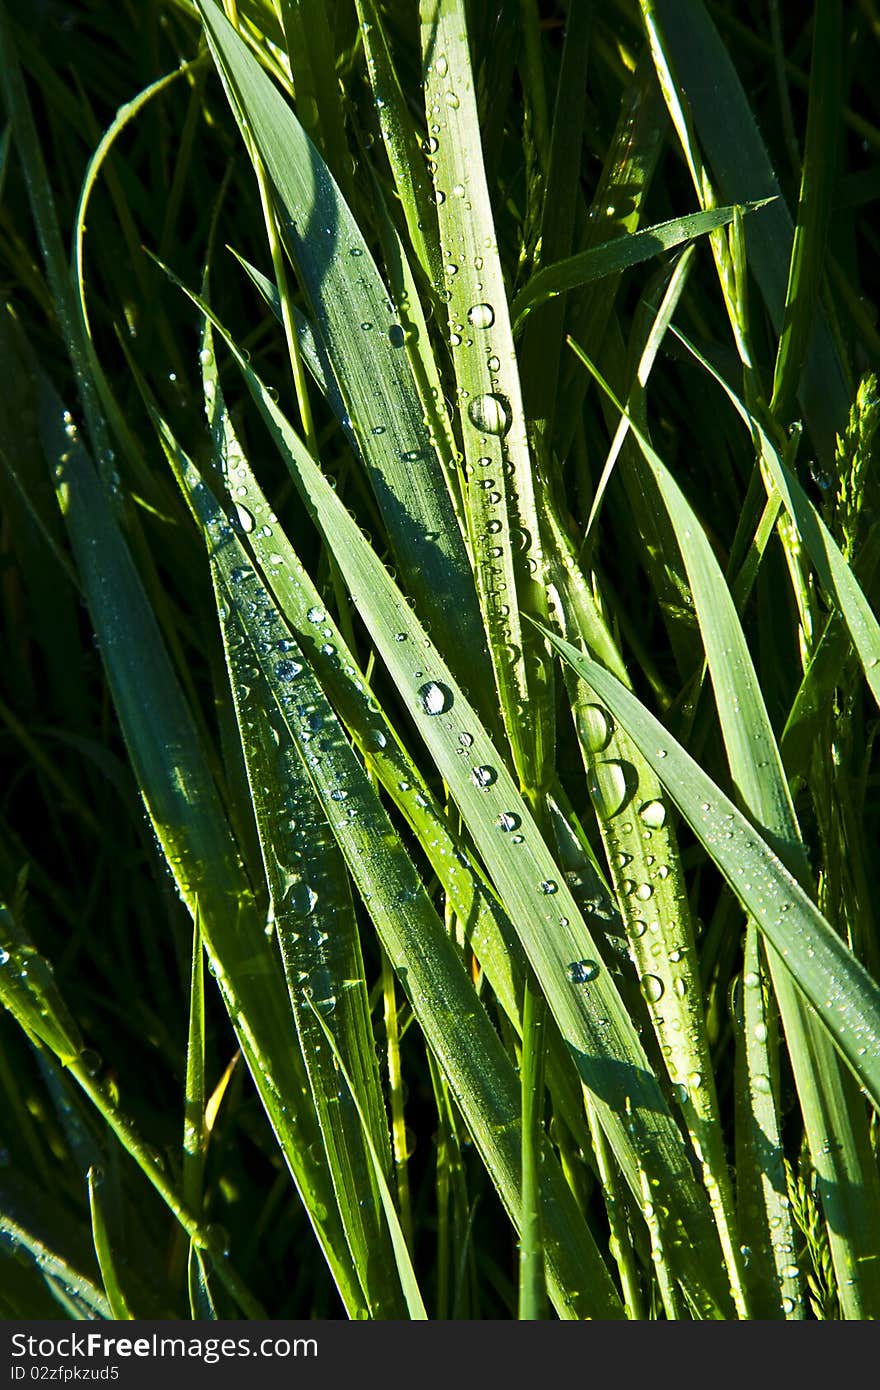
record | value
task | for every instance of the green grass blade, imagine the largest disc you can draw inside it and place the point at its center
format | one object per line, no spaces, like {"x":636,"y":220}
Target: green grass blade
{"x":553,"y":934}
{"x":502,"y":513}
{"x":364,"y":339}
{"x":832,"y":570}
{"x":809,"y":243}
{"x":614,"y":256}
{"x":844,"y":996}
{"x":452,"y":1018}
{"x":411,"y":178}
{"x":84,"y":1296}
{"x":119,"y":1307}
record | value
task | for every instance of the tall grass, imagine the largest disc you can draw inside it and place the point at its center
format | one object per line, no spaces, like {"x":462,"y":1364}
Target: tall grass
{"x":454,"y":424}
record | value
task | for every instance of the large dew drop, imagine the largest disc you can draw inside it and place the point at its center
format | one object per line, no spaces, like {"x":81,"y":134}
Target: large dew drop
{"x":490,"y":413}
{"x":595,"y":728}
{"x":652,"y":988}
{"x":653,"y":813}
{"x":608,"y":789}
{"x":435,"y":698}
{"x":481,"y":316}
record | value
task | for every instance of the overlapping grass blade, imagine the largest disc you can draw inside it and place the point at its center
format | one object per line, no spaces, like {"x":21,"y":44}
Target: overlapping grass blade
{"x":844,"y":996}
{"x":617,"y":255}
{"x":363,"y":336}
{"x":452,"y":1018}
{"x":689,"y":44}
{"x":500,"y":492}
{"x":593,"y":1021}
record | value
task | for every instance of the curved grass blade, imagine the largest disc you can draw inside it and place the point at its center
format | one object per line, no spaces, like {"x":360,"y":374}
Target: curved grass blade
{"x":593,"y":1022}
{"x":119,"y":1308}
{"x":364,"y":339}
{"x":614,"y":256}
{"x":844,"y":996}
{"x":454,"y":1022}
{"x":688,"y":42}
{"x":834,"y":573}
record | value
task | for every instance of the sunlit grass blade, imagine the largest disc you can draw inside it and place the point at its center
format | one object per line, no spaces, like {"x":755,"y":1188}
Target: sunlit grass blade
{"x":363,"y":336}
{"x":107,"y":1263}
{"x":832,"y":570}
{"x":500,"y":492}
{"x":617,"y":255}
{"x":406,"y":159}
{"x":86,"y":1300}
{"x":553,"y":934}
{"x":471,"y":1055}
{"x":844,"y":996}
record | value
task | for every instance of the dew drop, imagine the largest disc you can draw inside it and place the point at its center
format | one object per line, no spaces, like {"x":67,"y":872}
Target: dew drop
{"x":435,"y":698}
{"x":507,"y":821}
{"x":481,"y":316}
{"x":466,"y":740}
{"x":761,"y":1084}
{"x":608,"y":789}
{"x":595,"y":727}
{"x":484,"y":776}
{"x":490,"y":413}
{"x":316,"y":615}
{"x":287,"y":670}
{"x":580,"y":972}
{"x":653,"y":813}
{"x":548,"y":887}
{"x":244,"y":518}
{"x":652,"y":988}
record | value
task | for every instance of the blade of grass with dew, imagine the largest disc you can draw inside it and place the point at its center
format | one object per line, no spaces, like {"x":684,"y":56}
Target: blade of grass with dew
{"x":808,"y":247}
{"x":454,"y":1022}
{"x":617,"y":255}
{"x":119,"y":1308}
{"x":89,"y":1301}
{"x":614,"y":1066}
{"x":646,"y":871}
{"x":688,"y":42}
{"x":364,"y":339}
{"x":838,"y":1141}
{"x":312,"y":915}
{"x":645,"y":867}
{"x":489,"y":932}
{"x":764,"y":1211}
{"x":500,"y":500}
{"x":179,"y":793}
{"x":844,"y":996}
{"x":408,"y":168}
